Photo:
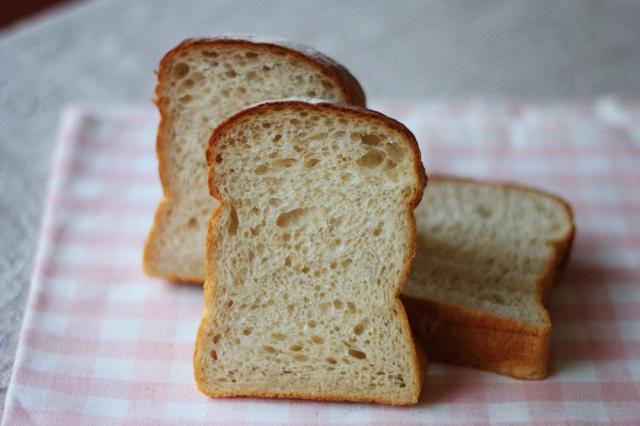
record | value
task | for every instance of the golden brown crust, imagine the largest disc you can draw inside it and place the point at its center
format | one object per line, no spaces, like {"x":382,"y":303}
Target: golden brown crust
{"x":412,"y":200}
{"x":454,"y":336}
{"x":350,"y":87}
{"x":464,"y":336}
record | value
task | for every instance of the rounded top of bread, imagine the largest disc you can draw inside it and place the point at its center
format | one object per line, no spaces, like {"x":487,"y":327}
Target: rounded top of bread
{"x":330,"y":108}
{"x":338,"y":74}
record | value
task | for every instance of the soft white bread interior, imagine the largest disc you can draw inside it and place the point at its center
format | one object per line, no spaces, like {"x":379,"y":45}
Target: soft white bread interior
{"x":486,"y":258}
{"x":200,"y":83}
{"x":307,"y":254}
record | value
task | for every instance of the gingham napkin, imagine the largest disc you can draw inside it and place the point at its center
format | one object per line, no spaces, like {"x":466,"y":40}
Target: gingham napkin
{"x":102,"y":344}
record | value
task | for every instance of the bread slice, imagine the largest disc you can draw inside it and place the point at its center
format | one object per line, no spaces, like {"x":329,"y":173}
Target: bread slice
{"x":200,"y":83}
{"x":307,"y":254}
{"x":486,"y":257}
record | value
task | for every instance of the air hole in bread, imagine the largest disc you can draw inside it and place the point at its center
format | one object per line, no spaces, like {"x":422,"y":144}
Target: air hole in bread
{"x":229,"y":303}
{"x":352,"y":307}
{"x":482,"y":211}
{"x":390,"y":164}
{"x":210,"y":54}
{"x":378,"y":229}
{"x":291,"y":217}
{"x":359,"y":328}
{"x":251,"y":55}
{"x":283,"y":163}
{"x":312,"y":324}
{"x":247,"y":331}
{"x":357,"y":354}
{"x":266,"y":68}
{"x":370,"y":140}
{"x":296,"y":347}
{"x":331,"y":360}
{"x":317,"y":339}
{"x":311,"y":163}
{"x":300,"y":357}
{"x":395,"y":151}
{"x":371,"y":159}
{"x":197,"y":77}
{"x":338,"y":303}
{"x":261,"y":169}
{"x":214,"y":355}
{"x":251,"y":75}
{"x":269,"y":349}
{"x":185,"y":99}
{"x":305,"y":270}
{"x":233,"y":221}
{"x":180,"y":70}
{"x":192,"y":223}
{"x":279,"y":337}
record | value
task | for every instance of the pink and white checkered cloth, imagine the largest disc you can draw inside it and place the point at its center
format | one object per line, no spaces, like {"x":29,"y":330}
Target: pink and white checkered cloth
{"x":102,"y":344}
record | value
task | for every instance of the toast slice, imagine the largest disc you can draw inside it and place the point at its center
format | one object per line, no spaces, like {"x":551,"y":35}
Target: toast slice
{"x":486,"y":258}
{"x":200,"y":83}
{"x":306,"y":256}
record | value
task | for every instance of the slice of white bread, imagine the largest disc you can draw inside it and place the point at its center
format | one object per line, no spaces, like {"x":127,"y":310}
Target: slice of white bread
{"x":307,"y":254}
{"x":200,"y":83}
{"x":486,"y":258}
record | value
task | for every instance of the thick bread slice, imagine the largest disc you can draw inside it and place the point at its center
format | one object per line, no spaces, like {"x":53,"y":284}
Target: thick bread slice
{"x":307,"y":254}
{"x":200,"y":83}
{"x":487,"y":255}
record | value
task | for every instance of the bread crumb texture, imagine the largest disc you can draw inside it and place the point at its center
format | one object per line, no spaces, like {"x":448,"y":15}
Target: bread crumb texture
{"x":485,"y":247}
{"x":307,"y":255}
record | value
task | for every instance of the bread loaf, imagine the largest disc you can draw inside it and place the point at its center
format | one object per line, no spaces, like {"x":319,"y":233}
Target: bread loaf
{"x":486,"y":258}
{"x":307,"y":254}
{"x":200,"y":83}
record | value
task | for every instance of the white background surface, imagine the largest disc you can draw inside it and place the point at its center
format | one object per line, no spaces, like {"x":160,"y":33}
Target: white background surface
{"x":106,"y":51}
